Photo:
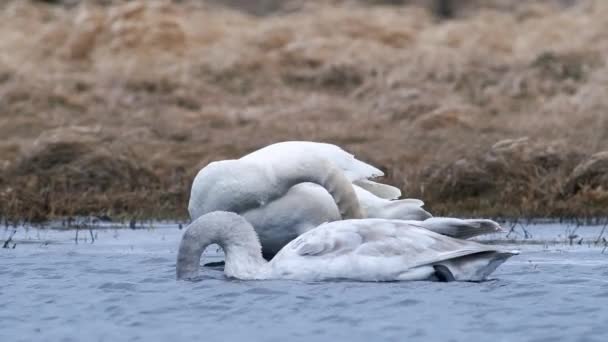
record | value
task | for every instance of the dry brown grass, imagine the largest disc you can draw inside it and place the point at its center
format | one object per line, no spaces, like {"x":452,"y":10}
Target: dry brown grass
{"x":111,"y":109}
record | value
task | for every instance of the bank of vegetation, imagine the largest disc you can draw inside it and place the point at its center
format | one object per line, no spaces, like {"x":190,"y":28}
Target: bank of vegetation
{"x":111,"y":107}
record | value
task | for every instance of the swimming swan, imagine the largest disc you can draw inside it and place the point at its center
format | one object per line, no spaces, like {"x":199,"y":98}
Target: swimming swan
{"x":363,"y":250}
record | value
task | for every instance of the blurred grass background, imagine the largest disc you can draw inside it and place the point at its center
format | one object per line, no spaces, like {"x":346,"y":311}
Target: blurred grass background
{"x":480,"y":108}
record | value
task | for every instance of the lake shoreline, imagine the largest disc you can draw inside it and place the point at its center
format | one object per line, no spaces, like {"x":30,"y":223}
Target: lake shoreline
{"x":532,"y":232}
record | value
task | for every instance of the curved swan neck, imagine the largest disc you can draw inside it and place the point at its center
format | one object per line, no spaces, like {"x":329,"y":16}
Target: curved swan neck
{"x":236,"y":237}
{"x":324,"y":173}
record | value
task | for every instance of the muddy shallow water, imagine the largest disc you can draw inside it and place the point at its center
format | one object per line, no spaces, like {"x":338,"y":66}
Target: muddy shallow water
{"x":122,"y":287}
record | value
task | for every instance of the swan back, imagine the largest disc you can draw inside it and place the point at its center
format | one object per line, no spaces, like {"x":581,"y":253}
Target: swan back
{"x":352,"y":167}
{"x":381,"y":250}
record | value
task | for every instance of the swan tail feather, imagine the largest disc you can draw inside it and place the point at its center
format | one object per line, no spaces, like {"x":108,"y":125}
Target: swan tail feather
{"x":379,"y":189}
{"x":407,"y":209}
{"x":358,"y":170}
{"x":472,"y":267}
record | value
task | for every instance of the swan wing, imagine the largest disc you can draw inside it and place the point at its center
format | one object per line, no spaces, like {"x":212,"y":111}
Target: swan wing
{"x":458,"y":228}
{"x":377,"y":249}
{"x":383,"y":238}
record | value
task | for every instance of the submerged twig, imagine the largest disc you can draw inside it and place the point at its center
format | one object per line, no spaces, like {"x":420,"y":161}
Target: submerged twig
{"x":512,"y":228}
{"x":10,"y":238}
{"x":601,"y":232}
{"x":527,"y":234}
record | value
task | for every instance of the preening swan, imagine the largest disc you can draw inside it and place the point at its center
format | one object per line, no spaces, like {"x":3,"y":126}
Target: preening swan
{"x":363,"y":250}
{"x":288,"y":188}
{"x":242,"y":185}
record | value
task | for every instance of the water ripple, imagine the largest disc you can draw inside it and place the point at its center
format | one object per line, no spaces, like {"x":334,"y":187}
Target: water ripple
{"x":118,"y":286}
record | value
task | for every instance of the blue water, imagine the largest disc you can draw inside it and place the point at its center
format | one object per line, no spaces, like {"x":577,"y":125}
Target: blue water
{"x":122,"y":287}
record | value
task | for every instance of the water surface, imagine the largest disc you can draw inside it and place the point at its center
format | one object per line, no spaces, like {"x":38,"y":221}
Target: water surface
{"x":122,"y":287}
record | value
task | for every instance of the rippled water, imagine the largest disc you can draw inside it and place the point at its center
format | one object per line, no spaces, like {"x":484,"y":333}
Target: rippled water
{"x":122,"y":287}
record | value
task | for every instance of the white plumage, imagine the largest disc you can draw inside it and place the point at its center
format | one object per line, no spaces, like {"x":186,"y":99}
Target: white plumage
{"x":354,"y":169}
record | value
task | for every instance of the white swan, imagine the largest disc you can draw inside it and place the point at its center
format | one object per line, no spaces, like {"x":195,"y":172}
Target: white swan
{"x":288,"y":188}
{"x":363,"y":250}
{"x":245,"y":184}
